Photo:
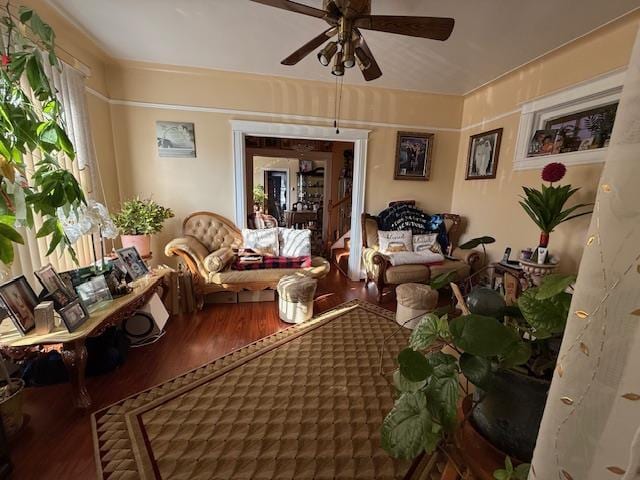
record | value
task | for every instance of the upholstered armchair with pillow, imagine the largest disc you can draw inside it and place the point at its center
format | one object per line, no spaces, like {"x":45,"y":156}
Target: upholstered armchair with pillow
{"x":380,"y":269}
{"x":208,"y":247}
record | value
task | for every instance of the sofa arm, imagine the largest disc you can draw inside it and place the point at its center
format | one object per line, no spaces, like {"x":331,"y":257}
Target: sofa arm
{"x":191,"y":251}
{"x":218,"y":260}
{"x":470,"y":257}
{"x":375,"y":263}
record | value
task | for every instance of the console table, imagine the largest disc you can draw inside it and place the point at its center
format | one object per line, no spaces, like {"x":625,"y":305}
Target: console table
{"x":71,"y":345}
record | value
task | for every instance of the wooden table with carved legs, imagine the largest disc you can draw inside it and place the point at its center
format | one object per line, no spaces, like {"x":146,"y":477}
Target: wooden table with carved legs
{"x":71,"y":345}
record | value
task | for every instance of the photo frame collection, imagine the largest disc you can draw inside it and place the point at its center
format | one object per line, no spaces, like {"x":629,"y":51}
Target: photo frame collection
{"x":18,"y":300}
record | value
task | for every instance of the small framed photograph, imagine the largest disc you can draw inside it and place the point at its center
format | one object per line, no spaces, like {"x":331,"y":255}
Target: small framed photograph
{"x":133,"y":263}
{"x":73,"y":315}
{"x":482,"y":160}
{"x":94,"y":294}
{"x":176,"y":139}
{"x":306,"y":165}
{"x":545,"y":142}
{"x":55,"y":286}
{"x":21,"y":301}
{"x":413,"y":156}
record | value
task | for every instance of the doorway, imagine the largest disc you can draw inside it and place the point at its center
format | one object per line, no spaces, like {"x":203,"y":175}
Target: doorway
{"x":276,"y":185}
{"x":242,"y":129}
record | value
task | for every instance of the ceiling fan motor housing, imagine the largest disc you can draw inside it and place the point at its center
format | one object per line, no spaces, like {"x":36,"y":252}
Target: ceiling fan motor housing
{"x":351,"y":8}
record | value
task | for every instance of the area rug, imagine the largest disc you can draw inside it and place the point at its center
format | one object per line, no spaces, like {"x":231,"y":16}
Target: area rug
{"x":304,"y":403}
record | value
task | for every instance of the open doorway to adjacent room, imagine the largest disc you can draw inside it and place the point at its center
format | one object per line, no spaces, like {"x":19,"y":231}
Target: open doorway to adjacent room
{"x":301,"y":183}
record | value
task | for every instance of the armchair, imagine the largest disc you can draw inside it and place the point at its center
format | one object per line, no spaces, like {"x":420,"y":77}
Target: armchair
{"x":380,"y":271}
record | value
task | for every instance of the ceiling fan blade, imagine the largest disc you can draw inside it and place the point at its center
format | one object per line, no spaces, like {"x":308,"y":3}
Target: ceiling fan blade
{"x":309,"y":47}
{"x":373,"y":70}
{"x":293,"y":7}
{"x":435,"y":28}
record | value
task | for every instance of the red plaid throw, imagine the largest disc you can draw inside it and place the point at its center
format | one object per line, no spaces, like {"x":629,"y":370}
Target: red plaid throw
{"x":274,"y":262}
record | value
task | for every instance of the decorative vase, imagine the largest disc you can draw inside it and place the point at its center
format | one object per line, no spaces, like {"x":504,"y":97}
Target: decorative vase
{"x":537,"y":271}
{"x":544,"y":239}
{"x":11,"y":406}
{"x":141,"y":242}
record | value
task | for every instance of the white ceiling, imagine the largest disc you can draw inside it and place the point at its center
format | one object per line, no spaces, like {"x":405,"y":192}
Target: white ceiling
{"x":491,"y":37}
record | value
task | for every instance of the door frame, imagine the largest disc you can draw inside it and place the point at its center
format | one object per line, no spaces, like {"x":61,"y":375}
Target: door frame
{"x":360,"y":139}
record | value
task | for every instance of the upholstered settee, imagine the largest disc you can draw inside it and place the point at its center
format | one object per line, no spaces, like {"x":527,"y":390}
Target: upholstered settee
{"x":380,"y":271}
{"x":208,"y":248}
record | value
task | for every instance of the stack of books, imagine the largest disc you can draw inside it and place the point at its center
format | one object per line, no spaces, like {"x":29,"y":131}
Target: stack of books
{"x":249,"y":256}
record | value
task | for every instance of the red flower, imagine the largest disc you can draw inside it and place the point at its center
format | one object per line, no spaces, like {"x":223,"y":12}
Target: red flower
{"x":5,"y":60}
{"x":553,"y":172}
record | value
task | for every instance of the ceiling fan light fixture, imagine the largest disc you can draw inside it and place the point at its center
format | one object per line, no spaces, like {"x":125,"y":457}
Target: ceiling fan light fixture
{"x":349,"y":56}
{"x":338,"y":65}
{"x":327,"y":53}
{"x":364,"y":62}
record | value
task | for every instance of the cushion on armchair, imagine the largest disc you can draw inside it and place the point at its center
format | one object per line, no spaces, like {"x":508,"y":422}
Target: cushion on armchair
{"x":218,"y":260}
{"x":262,"y":241}
{"x":395,"y":241}
{"x":294,"y":243}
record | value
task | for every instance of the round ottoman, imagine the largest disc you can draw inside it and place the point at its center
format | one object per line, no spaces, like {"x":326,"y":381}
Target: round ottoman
{"x":414,"y":300}
{"x":295,"y":297}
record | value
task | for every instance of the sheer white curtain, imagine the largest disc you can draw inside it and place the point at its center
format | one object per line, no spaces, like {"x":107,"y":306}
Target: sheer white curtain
{"x":591,"y":424}
{"x":70,"y":84}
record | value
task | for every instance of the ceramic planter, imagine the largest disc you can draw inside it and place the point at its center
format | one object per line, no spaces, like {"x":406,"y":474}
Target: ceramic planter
{"x":141,"y":242}
{"x":11,"y":408}
{"x":510,"y":413}
{"x":537,"y":271}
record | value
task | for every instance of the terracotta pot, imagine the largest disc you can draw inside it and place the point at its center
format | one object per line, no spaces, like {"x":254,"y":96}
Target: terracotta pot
{"x":11,"y":408}
{"x":141,"y":242}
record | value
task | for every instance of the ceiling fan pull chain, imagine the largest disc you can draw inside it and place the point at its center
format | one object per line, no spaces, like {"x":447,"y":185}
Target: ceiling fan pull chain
{"x":339,"y":107}
{"x":335,"y":107}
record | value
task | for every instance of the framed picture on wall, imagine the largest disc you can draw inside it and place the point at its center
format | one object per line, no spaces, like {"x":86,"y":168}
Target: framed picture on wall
{"x":176,"y":139}
{"x":482,"y":159}
{"x":413,"y":156}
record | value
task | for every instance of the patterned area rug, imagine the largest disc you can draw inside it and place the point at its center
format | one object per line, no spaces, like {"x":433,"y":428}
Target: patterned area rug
{"x":304,"y":403}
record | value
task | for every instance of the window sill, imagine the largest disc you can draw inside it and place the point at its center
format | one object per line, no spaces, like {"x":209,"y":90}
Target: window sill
{"x":584,"y":157}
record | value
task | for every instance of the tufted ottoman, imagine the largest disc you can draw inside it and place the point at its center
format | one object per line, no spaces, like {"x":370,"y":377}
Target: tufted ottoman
{"x":414,"y":300}
{"x":295,"y":297}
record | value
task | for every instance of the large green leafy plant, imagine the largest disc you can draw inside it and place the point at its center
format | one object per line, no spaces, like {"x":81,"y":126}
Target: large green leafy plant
{"x":427,"y":380}
{"x":141,"y":217}
{"x":31,"y":123}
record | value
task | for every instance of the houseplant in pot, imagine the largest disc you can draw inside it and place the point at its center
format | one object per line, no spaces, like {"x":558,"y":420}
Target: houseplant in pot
{"x":510,"y":361}
{"x":137,"y":220}
{"x":546,"y":208}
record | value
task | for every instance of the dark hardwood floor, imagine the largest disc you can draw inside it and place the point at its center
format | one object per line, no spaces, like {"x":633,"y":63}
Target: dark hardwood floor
{"x":57,"y":442}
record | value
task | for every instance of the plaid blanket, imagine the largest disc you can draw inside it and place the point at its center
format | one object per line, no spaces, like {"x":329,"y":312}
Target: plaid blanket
{"x":274,"y":262}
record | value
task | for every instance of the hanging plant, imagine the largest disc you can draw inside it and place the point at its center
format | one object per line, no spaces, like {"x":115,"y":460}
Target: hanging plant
{"x":32,"y":124}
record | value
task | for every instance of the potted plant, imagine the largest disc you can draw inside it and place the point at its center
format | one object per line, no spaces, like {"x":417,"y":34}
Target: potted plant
{"x":31,"y":125}
{"x":11,"y":398}
{"x":137,"y":220}
{"x":546,"y":208}
{"x":509,"y":359}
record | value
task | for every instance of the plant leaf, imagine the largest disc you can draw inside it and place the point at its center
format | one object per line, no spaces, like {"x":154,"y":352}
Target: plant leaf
{"x":548,"y":315}
{"x":518,"y":354}
{"x":413,"y":365}
{"x":425,"y":334}
{"x":403,"y":385}
{"x":442,"y":400}
{"x":442,"y":280}
{"x":477,"y":370}
{"x":9,"y":232}
{"x":403,"y":429}
{"x":553,"y":285}
{"x":6,"y":251}
{"x":473,"y":243}
{"x":480,"y":335}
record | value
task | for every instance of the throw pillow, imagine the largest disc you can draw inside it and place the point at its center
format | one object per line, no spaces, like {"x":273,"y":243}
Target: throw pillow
{"x":219,"y":259}
{"x":294,"y":243}
{"x":263,"y":241}
{"x":426,"y":242}
{"x":394,"y":241}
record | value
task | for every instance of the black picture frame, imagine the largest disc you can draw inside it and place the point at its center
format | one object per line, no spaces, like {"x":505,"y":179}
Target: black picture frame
{"x":74,"y":315}
{"x":55,"y":287}
{"x":21,"y":302}
{"x":133,"y":262}
{"x":490,"y":142}
{"x":413,"y":156}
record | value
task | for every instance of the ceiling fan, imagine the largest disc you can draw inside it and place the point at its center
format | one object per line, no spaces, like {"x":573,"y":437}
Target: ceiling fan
{"x":346,"y":18}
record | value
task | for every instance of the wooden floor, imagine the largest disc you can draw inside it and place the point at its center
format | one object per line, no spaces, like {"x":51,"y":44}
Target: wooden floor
{"x":57,"y":442}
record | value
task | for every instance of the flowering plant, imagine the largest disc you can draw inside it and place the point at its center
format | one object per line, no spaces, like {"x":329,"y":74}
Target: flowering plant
{"x":546,"y":206}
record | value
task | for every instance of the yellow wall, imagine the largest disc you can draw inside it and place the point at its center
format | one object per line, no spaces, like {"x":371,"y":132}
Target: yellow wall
{"x":206,"y":183}
{"x":491,"y":206}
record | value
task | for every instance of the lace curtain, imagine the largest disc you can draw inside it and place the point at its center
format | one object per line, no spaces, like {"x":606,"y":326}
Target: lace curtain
{"x":70,"y":84}
{"x":591,"y":424}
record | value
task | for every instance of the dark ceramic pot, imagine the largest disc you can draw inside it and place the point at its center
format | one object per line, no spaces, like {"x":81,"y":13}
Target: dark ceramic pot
{"x":509,"y":416}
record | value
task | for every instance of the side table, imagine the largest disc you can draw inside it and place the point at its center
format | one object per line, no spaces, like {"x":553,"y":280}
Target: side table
{"x":71,"y":345}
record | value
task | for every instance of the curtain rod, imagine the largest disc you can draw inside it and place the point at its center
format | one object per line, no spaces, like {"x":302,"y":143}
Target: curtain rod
{"x":78,"y":64}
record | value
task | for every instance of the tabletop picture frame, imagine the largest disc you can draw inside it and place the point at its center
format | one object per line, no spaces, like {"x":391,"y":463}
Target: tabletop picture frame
{"x":21,"y":302}
{"x":133,"y":262}
{"x":74,"y":315}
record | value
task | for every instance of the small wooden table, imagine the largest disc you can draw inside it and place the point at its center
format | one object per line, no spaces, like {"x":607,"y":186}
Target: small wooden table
{"x":71,"y":345}
{"x":298,"y":217}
